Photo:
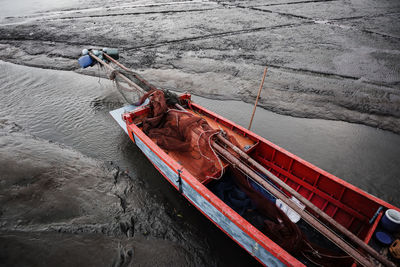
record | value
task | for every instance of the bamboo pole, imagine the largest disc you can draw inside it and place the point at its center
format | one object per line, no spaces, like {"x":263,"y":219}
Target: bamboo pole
{"x":115,"y":62}
{"x":128,"y":70}
{"x":308,"y":203}
{"x":126,"y":79}
{"x":258,"y":96}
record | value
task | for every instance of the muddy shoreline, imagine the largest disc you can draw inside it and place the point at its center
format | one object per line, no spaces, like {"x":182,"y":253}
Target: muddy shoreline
{"x":61,"y":207}
{"x":335,"y":60}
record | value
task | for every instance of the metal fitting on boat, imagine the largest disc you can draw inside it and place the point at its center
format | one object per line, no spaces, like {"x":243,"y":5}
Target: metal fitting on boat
{"x":127,"y":117}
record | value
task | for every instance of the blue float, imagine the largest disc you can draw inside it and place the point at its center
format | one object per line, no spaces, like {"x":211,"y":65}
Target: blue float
{"x":85,"y":61}
{"x":384,"y":238}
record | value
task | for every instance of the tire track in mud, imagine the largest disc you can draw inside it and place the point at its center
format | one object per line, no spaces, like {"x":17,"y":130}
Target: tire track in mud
{"x":366,"y":16}
{"x":381,"y":34}
{"x":325,"y":74}
{"x":134,"y":13}
{"x":132,"y":6}
{"x":225,"y":3}
{"x":299,"y":2}
{"x":273,"y":12}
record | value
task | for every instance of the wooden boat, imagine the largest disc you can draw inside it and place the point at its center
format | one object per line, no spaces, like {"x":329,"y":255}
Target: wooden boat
{"x":238,"y":181}
{"x":348,"y":205}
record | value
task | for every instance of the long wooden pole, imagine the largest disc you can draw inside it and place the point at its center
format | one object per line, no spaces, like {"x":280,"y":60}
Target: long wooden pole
{"x":126,"y":79}
{"x":128,"y":70}
{"x":307,"y":217}
{"x":308,"y":203}
{"x":115,"y":62}
{"x":258,"y":96}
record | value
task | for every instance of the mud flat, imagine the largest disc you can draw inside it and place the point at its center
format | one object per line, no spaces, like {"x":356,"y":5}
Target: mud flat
{"x":334,"y":60}
{"x":61,"y":208}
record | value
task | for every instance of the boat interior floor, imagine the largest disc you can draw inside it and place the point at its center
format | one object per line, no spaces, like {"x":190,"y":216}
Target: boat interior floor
{"x":230,"y":192}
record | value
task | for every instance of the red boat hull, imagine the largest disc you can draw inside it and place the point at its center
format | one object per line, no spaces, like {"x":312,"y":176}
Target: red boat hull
{"x":350,"y":206}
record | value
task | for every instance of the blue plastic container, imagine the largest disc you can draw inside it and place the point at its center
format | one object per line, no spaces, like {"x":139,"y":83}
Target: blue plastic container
{"x":85,"y":61}
{"x":391,"y":221}
{"x":384,"y":238}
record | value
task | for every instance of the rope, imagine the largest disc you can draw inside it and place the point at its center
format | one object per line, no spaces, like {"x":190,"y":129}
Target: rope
{"x":316,"y":252}
{"x":215,"y":154}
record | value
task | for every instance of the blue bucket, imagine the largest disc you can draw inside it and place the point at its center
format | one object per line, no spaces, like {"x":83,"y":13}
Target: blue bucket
{"x":85,"y":61}
{"x":391,"y":220}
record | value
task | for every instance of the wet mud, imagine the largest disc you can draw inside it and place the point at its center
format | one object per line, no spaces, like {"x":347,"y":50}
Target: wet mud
{"x":68,"y":171}
{"x":61,"y":208}
{"x":334,"y":60}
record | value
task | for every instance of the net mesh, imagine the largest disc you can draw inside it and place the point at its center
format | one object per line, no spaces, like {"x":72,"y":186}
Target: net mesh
{"x":186,"y":137}
{"x":131,"y":95}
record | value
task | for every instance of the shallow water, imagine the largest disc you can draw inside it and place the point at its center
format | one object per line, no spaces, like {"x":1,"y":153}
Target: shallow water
{"x":24,"y":7}
{"x":72,"y":109}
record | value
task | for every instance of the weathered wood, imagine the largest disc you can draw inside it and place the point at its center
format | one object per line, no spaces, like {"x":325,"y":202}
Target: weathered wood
{"x":128,"y":70}
{"x":258,"y":96}
{"x":126,"y":79}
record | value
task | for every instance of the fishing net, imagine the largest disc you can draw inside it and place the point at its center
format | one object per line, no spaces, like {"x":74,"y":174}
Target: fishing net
{"x":130,"y":94}
{"x":183,"y":135}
